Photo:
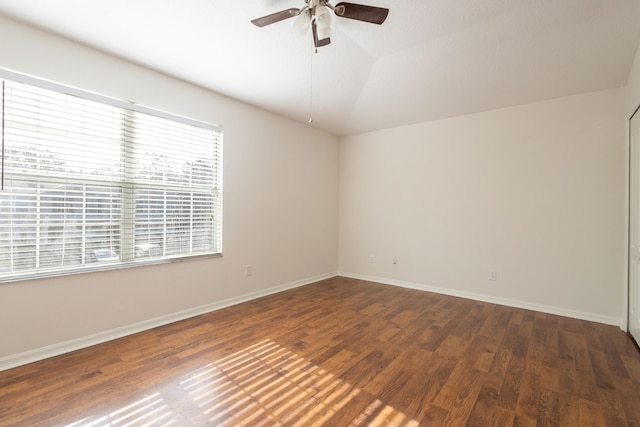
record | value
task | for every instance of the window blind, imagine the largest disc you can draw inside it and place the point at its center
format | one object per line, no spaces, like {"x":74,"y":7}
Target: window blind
{"x":91,"y":184}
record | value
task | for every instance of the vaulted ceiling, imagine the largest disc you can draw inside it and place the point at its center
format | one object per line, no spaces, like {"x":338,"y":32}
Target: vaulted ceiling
{"x":431,"y":59}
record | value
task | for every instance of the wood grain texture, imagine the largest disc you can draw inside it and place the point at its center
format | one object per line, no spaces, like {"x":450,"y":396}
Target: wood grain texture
{"x":341,"y":352}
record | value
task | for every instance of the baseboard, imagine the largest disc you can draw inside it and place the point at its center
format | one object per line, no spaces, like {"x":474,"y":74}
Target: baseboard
{"x":35,"y":355}
{"x":560,"y":311}
{"x":42,"y":353}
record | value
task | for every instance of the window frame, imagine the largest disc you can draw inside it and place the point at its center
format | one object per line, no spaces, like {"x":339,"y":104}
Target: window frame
{"x":126,"y":185}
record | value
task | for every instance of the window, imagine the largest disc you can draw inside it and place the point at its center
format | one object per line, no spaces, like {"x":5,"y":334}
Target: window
{"x":94,"y":183}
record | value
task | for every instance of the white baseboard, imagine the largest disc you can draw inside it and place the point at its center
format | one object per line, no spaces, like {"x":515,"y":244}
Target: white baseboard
{"x":560,"y":311}
{"x":42,"y":353}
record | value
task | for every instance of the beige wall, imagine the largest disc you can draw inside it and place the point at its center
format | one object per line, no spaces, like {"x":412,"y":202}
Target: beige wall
{"x":632,"y":102}
{"x":633,"y":86}
{"x":280,"y":211}
{"x":534,"y":192}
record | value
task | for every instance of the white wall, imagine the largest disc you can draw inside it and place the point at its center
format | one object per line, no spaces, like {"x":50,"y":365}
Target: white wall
{"x":280,"y":211}
{"x":535,"y":192}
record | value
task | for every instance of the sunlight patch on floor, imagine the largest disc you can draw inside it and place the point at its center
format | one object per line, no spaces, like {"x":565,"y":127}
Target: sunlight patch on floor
{"x":269,"y":382}
{"x":263,"y":384}
{"x":150,"y":411}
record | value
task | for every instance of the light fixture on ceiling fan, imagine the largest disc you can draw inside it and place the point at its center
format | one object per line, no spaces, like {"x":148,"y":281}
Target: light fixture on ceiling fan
{"x":316,"y":13}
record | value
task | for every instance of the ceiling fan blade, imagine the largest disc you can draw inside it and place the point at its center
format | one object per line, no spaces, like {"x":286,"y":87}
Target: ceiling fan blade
{"x":276,"y":17}
{"x":360,"y":12}
{"x":318,"y":42}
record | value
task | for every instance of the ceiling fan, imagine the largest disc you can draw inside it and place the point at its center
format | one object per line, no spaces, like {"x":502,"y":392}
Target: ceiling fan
{"x":316,"y":13}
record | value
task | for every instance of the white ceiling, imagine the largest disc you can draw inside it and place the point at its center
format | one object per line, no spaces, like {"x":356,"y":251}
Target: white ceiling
{"x":431,"y":59}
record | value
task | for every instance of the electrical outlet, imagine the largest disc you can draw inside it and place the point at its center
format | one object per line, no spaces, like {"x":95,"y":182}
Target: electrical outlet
{"x":493,"y":275}
{"x":248,"y":270}
{"x":372,"y":259}
{"x":394,"y":261}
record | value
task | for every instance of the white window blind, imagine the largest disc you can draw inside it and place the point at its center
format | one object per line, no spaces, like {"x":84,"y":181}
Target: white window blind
{"x":94,"y":183}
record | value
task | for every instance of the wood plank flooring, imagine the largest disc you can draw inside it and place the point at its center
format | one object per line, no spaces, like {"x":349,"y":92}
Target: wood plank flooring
{"x":341,"y":352}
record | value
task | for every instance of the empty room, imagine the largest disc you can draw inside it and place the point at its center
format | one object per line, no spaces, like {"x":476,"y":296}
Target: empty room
{"x":320,"y":213}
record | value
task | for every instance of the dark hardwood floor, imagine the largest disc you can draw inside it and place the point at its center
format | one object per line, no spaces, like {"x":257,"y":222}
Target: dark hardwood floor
{"x":341,"y":352}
